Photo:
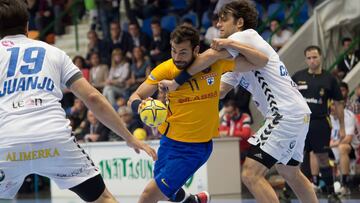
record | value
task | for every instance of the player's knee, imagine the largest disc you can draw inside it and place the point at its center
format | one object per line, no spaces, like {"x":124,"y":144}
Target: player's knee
{"x":248,"y":177}
{"x":91,"y":190}
{"x":344,"y":149}
{"x":146,"y":194}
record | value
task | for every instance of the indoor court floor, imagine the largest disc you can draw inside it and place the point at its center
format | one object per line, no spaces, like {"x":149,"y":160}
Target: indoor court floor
{"x":217,"y":199}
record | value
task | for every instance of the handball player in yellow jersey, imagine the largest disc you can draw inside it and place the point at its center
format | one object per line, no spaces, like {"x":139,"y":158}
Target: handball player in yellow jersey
{"x":192,"y":121}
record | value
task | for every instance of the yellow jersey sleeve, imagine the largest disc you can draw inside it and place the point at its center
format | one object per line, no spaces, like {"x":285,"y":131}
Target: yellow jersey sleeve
{"x":226,"y":65}
{"x":164,"y":71}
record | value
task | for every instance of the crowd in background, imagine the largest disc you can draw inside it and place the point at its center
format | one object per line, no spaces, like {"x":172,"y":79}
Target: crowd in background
{"x":122,"y":52}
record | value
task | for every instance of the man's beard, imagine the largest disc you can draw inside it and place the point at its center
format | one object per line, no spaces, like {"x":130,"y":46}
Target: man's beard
{"x":185,"y":66}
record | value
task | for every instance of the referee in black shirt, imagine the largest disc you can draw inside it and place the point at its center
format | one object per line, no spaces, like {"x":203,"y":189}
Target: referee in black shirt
{"x":318,"y":87}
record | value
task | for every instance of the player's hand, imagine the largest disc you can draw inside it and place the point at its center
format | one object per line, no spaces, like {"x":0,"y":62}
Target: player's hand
{"x":138,"y":145}
{"x":342,"y":133}
{"x":219,"y":44}
{"x":143,"y":103}
{"x":168,"y":85}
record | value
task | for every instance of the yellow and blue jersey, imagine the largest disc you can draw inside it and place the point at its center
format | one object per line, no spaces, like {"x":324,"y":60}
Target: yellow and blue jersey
{"x":193,"y":108}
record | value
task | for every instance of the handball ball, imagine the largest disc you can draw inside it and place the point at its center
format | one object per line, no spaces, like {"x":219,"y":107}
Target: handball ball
{"x":140,"y":134}
{"x":153,"y":113}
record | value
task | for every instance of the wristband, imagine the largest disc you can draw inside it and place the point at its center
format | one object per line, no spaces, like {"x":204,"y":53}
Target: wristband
{"x":182,"y":77}
{"x":135,"y":105}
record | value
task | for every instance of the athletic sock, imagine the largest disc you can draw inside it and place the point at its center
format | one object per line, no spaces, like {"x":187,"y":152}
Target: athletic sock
{"x":327,"y":176}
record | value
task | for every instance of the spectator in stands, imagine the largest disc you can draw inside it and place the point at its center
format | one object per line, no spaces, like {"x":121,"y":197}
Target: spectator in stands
{"x":344,"y":88}
{"x":242,"y":98}
{"x":33,"y":7}
{"x":77,"y":112}
{"x":140,"y":69}
{"x":91,"y":9}
{"x":131,"y":123}
{"x":99,"y":46}
{"x":147,"y":8}
{"x":120,"y":103}
{"x":279,"y":36}
{"x":115,"y":84}
{"x":120,"y":39}
{"x":212,"y":32}
{"x":44,"y":17}
{"x":93,"y":130}
{"x":80,"y":62}
{"x":235,"y":123}
{"x":350,"y":59}
{"x":58,"y":7}
{"x":108,"y":12}
{"x":159,"y":46}
{"x":343,"y":148}
{"x":98,"y":72}
{"x":139,"y":39}
{"x":356,"y":108}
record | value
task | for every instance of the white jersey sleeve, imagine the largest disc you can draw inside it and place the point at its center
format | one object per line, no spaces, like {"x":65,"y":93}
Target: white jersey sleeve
{"x":230,"y":78}
{"x":250,"y":38}
{"x":68,"y":71}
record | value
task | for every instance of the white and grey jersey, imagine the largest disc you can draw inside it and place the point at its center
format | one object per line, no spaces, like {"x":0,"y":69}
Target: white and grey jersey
{"x":31,"y":78}
{"x":272,"y":88}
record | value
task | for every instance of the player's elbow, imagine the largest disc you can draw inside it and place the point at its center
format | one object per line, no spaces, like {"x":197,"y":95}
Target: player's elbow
{"x":263,"y":60}
{"x":94,"y":98}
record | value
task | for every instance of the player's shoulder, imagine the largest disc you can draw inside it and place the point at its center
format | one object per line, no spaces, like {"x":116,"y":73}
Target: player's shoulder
{"x":167,"y":65}
{"x":244,"y":34}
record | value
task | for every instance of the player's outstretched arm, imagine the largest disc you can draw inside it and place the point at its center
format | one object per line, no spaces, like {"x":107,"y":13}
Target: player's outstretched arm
{"x":256,"y":58}
{"x":103,"y":110}
{"x":201,"y":62}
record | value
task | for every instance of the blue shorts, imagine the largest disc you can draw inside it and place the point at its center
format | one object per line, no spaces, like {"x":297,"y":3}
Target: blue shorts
{"x":177,"y":162}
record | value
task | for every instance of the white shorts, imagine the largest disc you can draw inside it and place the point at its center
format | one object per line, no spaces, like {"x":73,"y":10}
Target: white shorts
{"x":61,"y":160}
{"x":283,"y":137}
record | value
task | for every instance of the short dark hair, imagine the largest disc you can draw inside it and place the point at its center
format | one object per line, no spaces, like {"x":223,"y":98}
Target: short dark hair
{"x":14,"y":17}
{"x":346,"y":39}
{"x":244,"y":9}
{"x":184,"y":33}
{"x":344,"y":85}
{"x":312,"y":47}
{"x":155,"y":20}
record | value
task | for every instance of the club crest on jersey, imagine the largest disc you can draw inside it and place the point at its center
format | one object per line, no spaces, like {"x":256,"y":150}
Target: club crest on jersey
{"x":7,"y":43}
{"x":245,"y":84}
{"x":210,"y":81}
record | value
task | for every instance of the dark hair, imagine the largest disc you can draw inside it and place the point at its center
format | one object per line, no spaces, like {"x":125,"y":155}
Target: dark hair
{"x":312,"y":47}
{"x":184,"y":33}
{"x":14,"y":17}
{"x":81,"y":59}
{"x":155,"y":20}
{"x":346,"y":39}
{"x":134,"y":22}
{"x":231,"y":103}
{"x":244,"y":9}
{"x":344,"y":85}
